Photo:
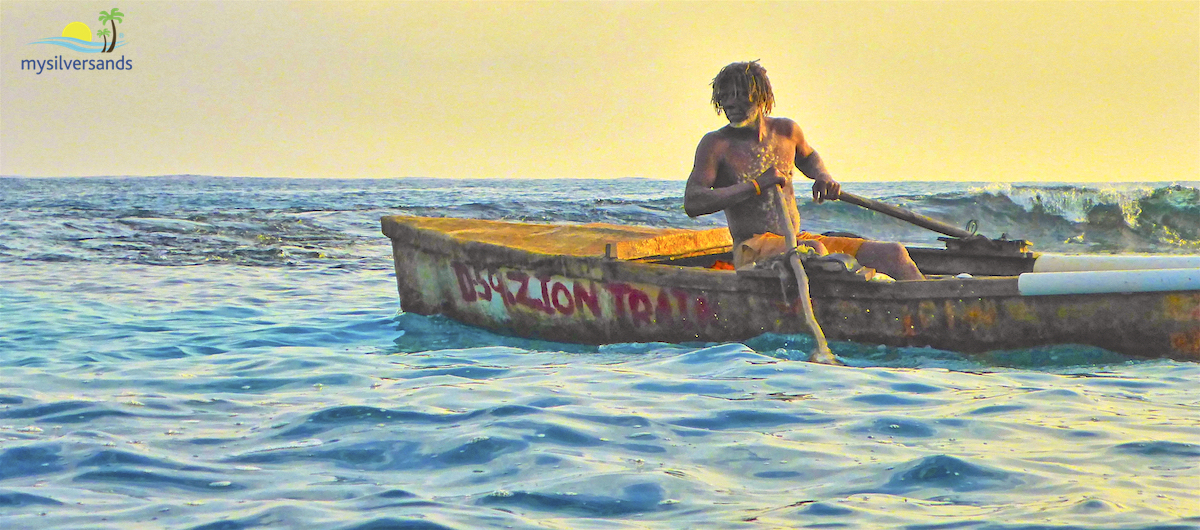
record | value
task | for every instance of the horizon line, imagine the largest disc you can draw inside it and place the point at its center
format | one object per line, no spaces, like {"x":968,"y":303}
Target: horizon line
{"x":678,"y":179}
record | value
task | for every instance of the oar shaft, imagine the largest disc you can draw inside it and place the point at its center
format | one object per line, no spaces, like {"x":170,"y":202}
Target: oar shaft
{"x":905,"y":215}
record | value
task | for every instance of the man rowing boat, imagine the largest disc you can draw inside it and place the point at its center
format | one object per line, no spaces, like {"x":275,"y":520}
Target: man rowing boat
{"x":740,"y":167}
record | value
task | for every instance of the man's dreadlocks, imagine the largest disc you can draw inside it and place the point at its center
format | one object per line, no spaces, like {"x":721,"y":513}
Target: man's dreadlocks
{"x":744,"y":78}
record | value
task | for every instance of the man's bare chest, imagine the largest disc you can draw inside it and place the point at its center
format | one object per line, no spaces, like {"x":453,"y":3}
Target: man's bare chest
{"x":744,"y":160}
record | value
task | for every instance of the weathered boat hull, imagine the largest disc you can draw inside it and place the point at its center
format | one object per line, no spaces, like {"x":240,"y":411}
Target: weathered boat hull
{"x":583,"y":296}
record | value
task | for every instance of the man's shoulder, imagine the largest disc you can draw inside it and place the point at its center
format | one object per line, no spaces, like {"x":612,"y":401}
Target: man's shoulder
{"x":783,"y":126}
{"x":716,"y":134}
{"x":715,"y":139}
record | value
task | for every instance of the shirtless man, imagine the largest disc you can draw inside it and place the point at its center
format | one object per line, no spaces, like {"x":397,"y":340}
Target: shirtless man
{"x":741,"y":166}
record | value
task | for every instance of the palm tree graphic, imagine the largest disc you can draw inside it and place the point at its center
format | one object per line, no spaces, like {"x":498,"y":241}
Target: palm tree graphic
{"x":113,"y":17}
{"x":103,"y":33}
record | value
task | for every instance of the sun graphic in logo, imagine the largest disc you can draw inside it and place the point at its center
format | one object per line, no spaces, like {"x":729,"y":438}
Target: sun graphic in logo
{"x":78,"y":30}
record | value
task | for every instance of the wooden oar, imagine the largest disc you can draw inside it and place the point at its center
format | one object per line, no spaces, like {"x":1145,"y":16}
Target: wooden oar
{"x":822,"y":353}
{"x":905,"y":215}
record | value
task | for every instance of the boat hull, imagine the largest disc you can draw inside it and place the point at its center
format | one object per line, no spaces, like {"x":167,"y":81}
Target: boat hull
{"x":594,"y":299}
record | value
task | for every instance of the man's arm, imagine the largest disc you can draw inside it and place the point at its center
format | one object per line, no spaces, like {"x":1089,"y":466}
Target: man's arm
{"x":810,"y":163}
{"x":701,"y":198}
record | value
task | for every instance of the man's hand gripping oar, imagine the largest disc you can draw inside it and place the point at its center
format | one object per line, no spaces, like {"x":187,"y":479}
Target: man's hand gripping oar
{"x":822,"y":353}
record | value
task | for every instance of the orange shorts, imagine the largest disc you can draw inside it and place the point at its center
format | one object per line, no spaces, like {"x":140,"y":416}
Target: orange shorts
{"x":767,"y":245}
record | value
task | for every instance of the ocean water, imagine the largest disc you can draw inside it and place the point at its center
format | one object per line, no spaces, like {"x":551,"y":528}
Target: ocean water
{"x":229,"y":353}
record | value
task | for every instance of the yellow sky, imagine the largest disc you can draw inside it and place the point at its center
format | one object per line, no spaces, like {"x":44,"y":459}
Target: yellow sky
{"x":980,"y":91}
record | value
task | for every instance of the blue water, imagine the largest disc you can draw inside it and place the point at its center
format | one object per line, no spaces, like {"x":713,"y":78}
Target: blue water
{"x":228,"y":353}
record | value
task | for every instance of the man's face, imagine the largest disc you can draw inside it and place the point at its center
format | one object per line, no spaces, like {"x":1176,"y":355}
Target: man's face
{"x":738,"y":109}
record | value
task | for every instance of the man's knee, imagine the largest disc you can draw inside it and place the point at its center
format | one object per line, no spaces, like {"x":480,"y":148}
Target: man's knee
{"x":896,"y":251}
{"x":883,"y":252}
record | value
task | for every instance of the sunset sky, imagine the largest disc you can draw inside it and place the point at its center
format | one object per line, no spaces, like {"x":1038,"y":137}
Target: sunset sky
{"x":975,"y":91}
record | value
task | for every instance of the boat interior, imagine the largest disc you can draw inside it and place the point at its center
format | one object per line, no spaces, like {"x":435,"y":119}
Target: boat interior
{"x":935,"y":263}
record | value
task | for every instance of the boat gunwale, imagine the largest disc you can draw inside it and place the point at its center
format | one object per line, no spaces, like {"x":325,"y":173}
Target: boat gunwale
{"x":824,"y":284}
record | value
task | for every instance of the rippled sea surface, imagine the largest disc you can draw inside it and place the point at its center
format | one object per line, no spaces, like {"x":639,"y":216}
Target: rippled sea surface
{"x":228,"y":353}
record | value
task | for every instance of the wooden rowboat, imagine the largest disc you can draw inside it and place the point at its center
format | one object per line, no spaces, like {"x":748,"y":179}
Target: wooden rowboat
{"x":600,"y":283}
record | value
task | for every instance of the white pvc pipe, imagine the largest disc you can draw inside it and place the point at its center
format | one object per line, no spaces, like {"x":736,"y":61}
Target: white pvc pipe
{"x":1122,"y":281}
{"x":1071,"y":262}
